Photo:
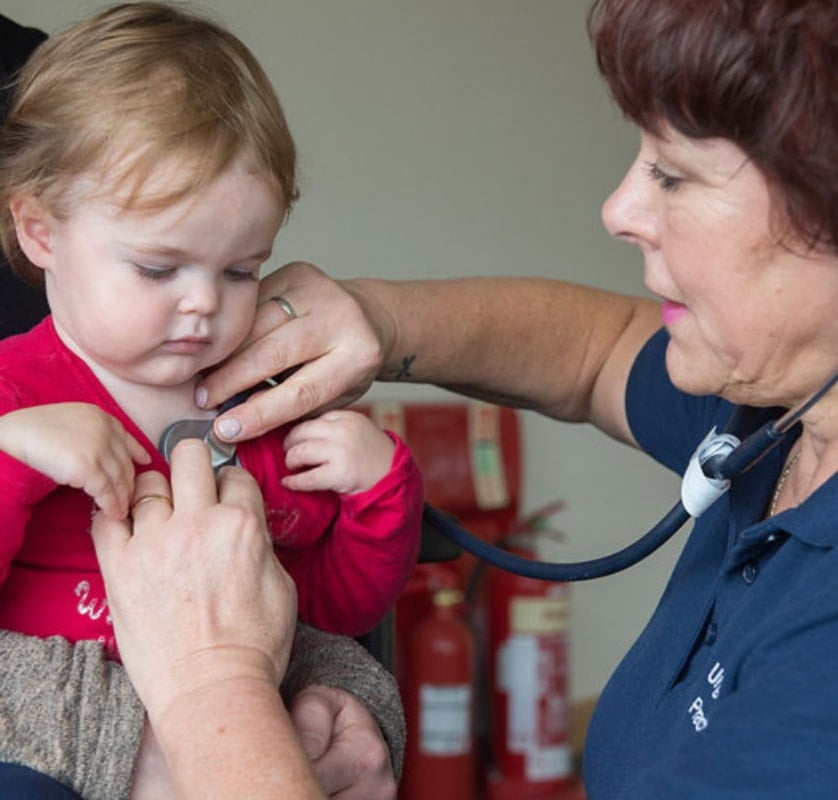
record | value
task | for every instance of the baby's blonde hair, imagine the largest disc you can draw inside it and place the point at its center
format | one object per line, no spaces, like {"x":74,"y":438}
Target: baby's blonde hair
{"x":133,"y":90}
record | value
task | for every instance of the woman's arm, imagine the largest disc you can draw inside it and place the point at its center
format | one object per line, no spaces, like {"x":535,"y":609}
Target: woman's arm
{"x":559,"y":348}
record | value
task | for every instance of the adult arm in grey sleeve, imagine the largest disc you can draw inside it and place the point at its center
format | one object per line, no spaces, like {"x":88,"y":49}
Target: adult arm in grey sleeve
{"x":67,"y":711}
{"x":325,"y":659}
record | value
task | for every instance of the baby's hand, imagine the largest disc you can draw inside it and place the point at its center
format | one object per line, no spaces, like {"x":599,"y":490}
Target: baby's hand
{"x":78,"y":445}
{"x":340,"y":451}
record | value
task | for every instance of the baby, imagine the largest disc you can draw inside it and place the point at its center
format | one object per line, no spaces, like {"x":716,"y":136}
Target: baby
{"x":145,"y":170}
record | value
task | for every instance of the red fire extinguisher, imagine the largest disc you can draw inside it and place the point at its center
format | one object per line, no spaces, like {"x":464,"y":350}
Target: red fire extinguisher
{"x":440,"y":759}
{"x":527,"y":623}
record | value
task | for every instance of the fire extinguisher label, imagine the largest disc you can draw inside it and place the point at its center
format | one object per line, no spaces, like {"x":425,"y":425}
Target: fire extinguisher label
{"x":548,"y":763}
{"x":539,"y":615}
{"x":490,"y":488}
{"x":530,"y":672}
{"x":445,"y":720}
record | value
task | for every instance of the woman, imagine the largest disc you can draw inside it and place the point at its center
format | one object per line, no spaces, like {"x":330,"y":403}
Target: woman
{"x":730,"y":689}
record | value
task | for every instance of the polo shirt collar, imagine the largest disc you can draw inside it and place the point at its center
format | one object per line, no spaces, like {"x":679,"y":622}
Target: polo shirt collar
{"x":815,"y":522}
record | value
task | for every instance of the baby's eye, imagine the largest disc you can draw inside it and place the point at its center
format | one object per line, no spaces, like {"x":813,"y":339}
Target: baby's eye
{"x":154,"y":273}
{"x":241,"y":274}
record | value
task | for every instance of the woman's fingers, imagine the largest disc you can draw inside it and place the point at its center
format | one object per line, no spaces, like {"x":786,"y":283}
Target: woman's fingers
{"x":238,"y":487}
{"x":193,"y":480}
{"x":152,"y":501}
{"x":330,"y":341}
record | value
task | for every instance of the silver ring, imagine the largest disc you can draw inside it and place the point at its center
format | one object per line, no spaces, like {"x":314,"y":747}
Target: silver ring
{"x":283,"y":303}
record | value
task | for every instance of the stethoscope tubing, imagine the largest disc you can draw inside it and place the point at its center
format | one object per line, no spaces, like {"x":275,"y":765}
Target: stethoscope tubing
{"x":554,"y":571}
{"x":724,"y":467}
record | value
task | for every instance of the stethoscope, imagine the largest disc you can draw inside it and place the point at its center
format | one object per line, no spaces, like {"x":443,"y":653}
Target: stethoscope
{"x":718,"y":459}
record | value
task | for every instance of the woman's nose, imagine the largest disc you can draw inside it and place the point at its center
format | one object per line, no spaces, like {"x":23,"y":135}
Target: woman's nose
{"x":628,"y":213}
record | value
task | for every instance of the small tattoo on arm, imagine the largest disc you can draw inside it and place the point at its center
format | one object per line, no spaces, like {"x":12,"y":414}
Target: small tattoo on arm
{"x":404,"y":372}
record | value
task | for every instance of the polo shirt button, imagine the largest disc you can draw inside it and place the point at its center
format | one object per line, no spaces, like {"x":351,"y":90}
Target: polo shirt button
{"x":710,"y":633}
{"x":749,"y":573}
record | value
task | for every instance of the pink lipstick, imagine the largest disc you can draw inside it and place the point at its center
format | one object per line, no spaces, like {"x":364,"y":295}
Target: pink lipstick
{"x":671,"y":312}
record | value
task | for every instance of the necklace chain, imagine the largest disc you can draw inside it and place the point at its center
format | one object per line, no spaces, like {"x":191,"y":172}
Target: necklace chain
{"x":781,"y":481}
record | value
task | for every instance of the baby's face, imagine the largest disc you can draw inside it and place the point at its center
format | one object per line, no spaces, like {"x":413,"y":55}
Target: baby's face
{"x":157,"y":297}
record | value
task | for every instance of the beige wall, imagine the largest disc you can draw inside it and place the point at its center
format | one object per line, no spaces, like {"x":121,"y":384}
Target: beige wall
{"x":466,"y":137}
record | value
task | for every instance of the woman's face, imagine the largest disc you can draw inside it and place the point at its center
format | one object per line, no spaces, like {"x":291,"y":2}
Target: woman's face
{"x":750,"y":318}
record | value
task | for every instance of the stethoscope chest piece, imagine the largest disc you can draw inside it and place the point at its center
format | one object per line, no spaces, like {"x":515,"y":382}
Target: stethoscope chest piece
{"x":221,"y":453}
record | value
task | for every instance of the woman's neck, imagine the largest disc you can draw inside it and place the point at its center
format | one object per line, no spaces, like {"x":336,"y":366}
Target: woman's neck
{"x":814,"y":458}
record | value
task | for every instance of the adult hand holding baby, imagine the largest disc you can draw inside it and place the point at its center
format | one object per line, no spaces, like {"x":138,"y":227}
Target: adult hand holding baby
{"x":204,"y":617}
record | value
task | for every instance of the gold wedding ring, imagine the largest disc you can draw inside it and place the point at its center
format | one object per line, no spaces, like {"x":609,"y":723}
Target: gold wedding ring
{"x":148,"y":498}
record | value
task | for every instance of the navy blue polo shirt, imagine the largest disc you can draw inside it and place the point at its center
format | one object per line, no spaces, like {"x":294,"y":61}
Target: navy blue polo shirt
{"x":731,"y":690}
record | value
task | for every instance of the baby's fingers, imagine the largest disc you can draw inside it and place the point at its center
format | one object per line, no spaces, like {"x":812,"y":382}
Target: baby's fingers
{"x":111,"y":483}
{"x":138,"y":453}
{"x":319,"y":478}
{"x":111,"y":499}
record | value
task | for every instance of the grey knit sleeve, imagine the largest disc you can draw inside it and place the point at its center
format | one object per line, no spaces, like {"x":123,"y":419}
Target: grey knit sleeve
{"x":339,"y":662}
{"x":67,"y":711}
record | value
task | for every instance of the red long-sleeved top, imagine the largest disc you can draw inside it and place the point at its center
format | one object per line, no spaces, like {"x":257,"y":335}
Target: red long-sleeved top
{"x":349,"y":555}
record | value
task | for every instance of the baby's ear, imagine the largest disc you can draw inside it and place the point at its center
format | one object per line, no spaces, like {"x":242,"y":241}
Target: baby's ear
{"x":34,"y":228}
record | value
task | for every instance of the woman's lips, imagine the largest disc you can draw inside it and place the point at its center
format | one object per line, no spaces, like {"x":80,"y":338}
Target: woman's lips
{"x":671,"y":312}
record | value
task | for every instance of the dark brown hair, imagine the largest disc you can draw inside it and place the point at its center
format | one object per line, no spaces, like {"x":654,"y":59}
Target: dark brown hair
{"x":760,"y":73}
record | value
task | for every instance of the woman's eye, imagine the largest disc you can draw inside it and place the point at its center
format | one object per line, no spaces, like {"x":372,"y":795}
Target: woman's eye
{"x":667,"y":182}
{"x":154,"y":273}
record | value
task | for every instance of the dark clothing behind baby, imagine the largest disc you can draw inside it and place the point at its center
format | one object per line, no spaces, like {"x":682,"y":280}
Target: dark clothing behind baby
{"x":21,"y":306}
{"x":23,"y":783}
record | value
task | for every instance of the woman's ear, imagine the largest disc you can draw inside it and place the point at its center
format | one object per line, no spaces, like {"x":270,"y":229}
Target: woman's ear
{"x":34,"y":229}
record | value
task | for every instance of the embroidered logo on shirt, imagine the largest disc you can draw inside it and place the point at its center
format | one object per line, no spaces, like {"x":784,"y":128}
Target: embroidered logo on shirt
{"x":698,"y":715}
{"x":90,"y":606}
{"x":283,"y":524}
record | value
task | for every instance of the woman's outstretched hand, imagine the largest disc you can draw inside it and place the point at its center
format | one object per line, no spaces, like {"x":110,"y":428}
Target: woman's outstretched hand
{"x":331,"y":336}
{"x":195,"y":566}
